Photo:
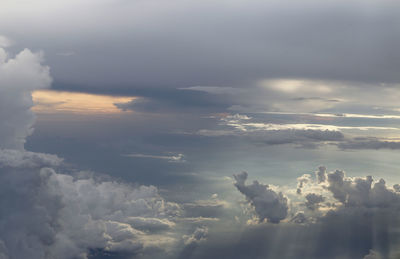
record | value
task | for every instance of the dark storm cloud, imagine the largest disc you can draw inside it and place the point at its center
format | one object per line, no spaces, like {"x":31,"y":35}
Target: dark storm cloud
{"x":225,"y":43}
{"x":174,"y":100}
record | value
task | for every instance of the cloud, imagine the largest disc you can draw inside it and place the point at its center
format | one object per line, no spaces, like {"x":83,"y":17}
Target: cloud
{"x":184,"y":100}
{"x":369,"y":143}
{"x":272,"y":133}
{"x":267,"y":203}
{"x":321,"y":174}
{"x":25,"y":159}
{"x":313,"y":200}
{"x":264,"y":129}
{"x":373,"y":255}
{"x":211,"y":208}
{"x":48,"y":212}
{"x":192,"y":242}
{"x":5,"y":42}
{"x":18,"y":77}
{"x":304,"y":179}
{"x":178,"y":158}
{"x":273,"y":39}
{"x":58,"y":215}
{"x":214,"y":89}
{"x":348,"y":217}
{"x":198,"y":235}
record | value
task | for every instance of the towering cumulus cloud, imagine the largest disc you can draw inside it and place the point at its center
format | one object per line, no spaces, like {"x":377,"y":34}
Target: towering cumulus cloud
{"x":18,"y":77}
{"x":45,"y":214}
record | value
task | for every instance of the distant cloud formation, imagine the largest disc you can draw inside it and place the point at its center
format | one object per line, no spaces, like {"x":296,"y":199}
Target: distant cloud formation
{"x":370,"y":143}
{"x":178,"y":158}
{"x":58,"y":102}
{"x":144,"y":109}
{"x":47,"y":214}
{"x":255,"y":41}
{"x":308,"y":135}
{"x":360,"y":211}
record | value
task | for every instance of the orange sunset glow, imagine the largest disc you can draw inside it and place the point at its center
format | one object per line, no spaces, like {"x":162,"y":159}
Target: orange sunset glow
{"x":49,"y":101}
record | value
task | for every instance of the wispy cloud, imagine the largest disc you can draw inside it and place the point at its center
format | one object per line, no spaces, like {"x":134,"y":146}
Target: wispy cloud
{"x":178,"y":158}
{"x":341,"y":115}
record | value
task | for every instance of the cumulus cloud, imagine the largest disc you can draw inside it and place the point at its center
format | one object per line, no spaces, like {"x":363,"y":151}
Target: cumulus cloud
{"x":19,"y":76}
{"x":267,"y":203}
{"x":321,"y":174}
{"x":198,"y":235}
{"x":26,"y":159}
{"x":192,"y":242}
{"x":301,"y":181}
{"x":346,"y":217}
{"x":313,"y":200}
{"x":51,"y":215}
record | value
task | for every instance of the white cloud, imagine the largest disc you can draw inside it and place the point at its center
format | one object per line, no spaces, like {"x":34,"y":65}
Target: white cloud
{"x":5,"y":42}
{"x":18,"y":77}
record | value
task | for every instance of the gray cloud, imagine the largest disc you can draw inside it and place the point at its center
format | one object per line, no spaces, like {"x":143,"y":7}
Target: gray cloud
{"x":313,"y":200}
{"x":178,"y":48}
{"x":57,"y":215}
{"x":267,"y":203}
{"x":308,"y":135}
{"x":321,"y":174}
{"x":18,"y":76}
{"x":198,"y":235}
{"x":360,"y":225}
{"x":369,"y":143}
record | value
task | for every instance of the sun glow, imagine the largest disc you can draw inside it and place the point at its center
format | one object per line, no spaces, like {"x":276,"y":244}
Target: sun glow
{"x":49,"y":101}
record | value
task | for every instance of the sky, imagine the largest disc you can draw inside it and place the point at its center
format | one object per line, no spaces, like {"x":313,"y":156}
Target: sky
{"x":199,"y":129}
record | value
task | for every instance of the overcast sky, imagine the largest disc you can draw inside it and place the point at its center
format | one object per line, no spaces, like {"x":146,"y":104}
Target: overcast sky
{"x":199,"y":129}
